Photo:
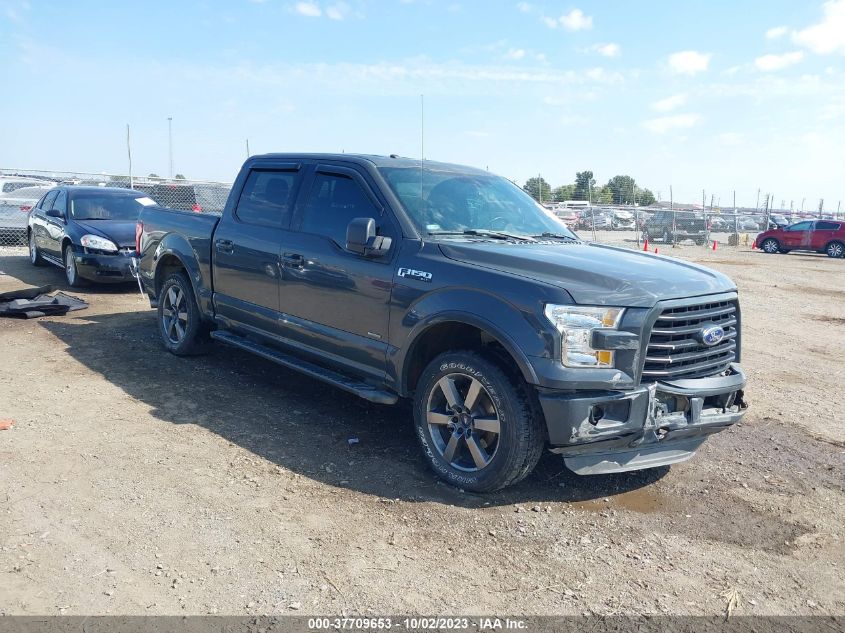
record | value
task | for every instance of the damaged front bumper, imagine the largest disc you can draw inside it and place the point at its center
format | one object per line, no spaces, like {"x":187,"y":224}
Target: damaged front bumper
{"x":657,"y":424}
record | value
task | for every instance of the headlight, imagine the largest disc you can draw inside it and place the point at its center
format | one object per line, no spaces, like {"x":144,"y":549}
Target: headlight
{"x":576,"y":325}
{"x":98,"y":243}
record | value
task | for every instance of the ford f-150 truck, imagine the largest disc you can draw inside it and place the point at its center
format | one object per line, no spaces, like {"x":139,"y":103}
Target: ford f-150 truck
{"x":394,"y":278}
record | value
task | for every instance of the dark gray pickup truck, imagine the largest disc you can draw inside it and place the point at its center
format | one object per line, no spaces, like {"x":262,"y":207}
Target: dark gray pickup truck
{"x":451,"y":287}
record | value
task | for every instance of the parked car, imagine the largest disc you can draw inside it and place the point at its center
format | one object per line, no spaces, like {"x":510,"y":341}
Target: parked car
{"x":718,"y":224}
{"x":602,"y":220}
{"x":621,"y":220}
{"x":10,"y":184}
{"x":776,"y":221}
{"x":450,"y":287}
{"x":820,"y":236}
{"x":14,"y":207}
{"x":87,"y":231}
{"x":676,"y":226}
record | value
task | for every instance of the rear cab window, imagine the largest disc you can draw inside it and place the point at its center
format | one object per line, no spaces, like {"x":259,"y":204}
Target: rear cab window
{"x":267,"y":197}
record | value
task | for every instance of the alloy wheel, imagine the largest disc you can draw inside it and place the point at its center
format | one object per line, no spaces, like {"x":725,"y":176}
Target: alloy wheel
{"x":463,"y":422}
{"x":33,"y":251}
{"x":835,"y":250}
{"x":174,"y":315}
{"x":770,"y":246}
{"x":70,"y":267}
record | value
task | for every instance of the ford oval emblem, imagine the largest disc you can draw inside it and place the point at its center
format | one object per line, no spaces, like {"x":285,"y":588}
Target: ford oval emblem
{"x":712,"y":335}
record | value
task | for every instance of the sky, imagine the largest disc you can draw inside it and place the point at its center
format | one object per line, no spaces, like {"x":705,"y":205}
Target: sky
{"x":716,"y":95}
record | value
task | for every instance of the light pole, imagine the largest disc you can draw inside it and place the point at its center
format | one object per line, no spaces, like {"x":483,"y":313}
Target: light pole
{"x":170,"y":143}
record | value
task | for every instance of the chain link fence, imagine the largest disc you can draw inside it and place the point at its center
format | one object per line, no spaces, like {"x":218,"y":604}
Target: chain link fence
{"x":20,"y":190}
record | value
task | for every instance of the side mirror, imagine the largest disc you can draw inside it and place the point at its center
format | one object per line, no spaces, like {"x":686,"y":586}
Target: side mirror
{"x":361,"y":238}
{"x":55,"y":213}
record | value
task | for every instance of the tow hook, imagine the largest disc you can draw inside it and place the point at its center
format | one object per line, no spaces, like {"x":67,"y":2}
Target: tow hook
{"x":740,"y":400}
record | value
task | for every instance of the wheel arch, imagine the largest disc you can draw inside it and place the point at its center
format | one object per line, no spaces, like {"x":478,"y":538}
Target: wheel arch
{"x":454,"y":331}
{"x":835,"y":240}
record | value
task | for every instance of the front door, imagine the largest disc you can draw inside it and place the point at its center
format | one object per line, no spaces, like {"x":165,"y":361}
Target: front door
{"x":245,"y":249}
{"x":56,"y":226}
{"x":797,"y":236}
{"x":334,"y":301}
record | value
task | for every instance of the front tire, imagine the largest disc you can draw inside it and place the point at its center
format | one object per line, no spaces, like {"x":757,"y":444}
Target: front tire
{"x":34,"y":254}
{"x":179,"y":319}
{"x":770,"y":245}
{"x":476,"y":425}
{"x":71,"y":272}
{"x":835,"y":249}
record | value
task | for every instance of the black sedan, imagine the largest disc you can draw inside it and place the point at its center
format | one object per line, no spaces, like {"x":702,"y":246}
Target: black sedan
{"x":88,"y":231}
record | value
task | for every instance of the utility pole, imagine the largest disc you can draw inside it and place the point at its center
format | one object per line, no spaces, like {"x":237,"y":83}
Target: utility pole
{"x":247,"y":149}
{"x":757,"y":207}
{"x":129,"y":152}
{"x":170,"y":143}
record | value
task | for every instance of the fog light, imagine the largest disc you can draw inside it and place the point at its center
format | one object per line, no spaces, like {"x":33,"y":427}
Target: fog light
{"x":596,"y":414}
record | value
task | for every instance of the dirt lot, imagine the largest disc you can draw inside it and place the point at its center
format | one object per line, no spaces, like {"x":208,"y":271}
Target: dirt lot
{"x":137,"y":482}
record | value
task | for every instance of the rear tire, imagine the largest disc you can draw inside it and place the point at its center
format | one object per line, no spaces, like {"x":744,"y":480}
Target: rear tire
{"x":770,"y":245}
{"x":476,"y":425}
{"x":179,"y":319}
{"x":34,"y":254}
{"x":835,"y":249}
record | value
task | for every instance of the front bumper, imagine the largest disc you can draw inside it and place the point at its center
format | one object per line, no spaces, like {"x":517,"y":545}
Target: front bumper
{"x":657,"y":424}
{"x":115,"y":268}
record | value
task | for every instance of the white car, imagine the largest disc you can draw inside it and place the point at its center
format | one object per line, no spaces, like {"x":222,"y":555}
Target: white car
{"x":15,"y":206}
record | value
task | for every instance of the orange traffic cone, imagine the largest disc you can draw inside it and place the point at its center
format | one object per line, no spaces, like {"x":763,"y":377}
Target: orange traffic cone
{"x":655,"y":250}
{"x":754,"y":245}
{"x":645,"y":245}
{"x":715,"y":243}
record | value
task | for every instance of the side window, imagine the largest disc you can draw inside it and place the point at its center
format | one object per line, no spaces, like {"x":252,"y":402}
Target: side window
{"x":60,"y":202}
{"x":47,"y":202}
{"x":333,"y":202}
{"x":827,"y":226}
{"x":266,"y":198}
{"x":801,"y":226}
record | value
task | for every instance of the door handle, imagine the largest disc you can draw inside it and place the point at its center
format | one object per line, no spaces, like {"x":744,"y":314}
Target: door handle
{"x":293,"y":260}
{"x":224,"y":246}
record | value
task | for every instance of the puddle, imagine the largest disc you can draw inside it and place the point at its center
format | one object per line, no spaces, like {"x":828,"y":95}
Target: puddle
{"x":640,"y":501}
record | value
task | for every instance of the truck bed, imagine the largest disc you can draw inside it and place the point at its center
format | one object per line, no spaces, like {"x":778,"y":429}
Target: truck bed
{"x":171,"y":231}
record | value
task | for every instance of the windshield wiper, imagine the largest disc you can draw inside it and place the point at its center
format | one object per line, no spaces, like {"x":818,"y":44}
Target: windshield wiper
{"x":496,"y":235}
{"x":558,"y":236}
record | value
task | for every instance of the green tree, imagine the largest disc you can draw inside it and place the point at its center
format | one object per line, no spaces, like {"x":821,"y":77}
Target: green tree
{"x":179,"y":177}
{"x":603,"y":195}
{"x":538,"y":189}
{"x":153,"y":176}
{"x":563,"y":193}
{"x":584,"y":183}
{"x":645,"y":197}
{"x":622,"y":188}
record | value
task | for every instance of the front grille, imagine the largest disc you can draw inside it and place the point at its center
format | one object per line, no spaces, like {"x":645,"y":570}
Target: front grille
{"x":674,"y":349}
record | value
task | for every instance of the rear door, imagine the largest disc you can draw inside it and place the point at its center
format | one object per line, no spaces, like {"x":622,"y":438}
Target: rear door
{"x":797,"y":236}
{"x":56,"y":226}
{"x":245,"y":248}
{"x":335,"y":301}
{"x":41,"y":224}
{"x":824,"y":232}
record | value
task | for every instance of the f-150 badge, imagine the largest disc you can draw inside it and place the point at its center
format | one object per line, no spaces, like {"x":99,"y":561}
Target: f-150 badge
{"x":419,"y":275}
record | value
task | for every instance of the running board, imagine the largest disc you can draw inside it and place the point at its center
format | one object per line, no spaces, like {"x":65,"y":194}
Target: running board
{"x":368,"y":392}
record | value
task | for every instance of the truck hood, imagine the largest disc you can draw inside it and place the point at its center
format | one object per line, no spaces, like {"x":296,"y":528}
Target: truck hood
{"x":120,"y":232}
{"x":595,"y":274}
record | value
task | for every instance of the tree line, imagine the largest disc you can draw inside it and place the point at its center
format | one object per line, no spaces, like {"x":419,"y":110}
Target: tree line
{"x":618,"y":190}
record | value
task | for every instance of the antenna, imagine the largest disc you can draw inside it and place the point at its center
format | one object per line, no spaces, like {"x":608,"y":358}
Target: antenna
{"x":129,"y":152}
{"x":422,"y":145}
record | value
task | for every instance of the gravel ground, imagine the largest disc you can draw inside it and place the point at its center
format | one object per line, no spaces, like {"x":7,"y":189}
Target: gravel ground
{"x":135,"y":482}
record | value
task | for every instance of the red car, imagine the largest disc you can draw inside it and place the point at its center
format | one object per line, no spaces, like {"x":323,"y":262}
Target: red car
{"x":821,"y":236}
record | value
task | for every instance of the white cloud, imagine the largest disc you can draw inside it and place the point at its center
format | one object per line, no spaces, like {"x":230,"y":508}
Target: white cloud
{"x":575,"y":20}
{"x":550,"y":22}
{"x":769,"y":63}
{"x":689,"y":62}
{"x":524,"y":7}
{"x":608,"y":50}
{"x":308,"y":9}
{"x":664,"y":124}
{"x":731,"y":139}
{"x":776,"y":32}
{"x":828,"y":36}
{"x":669,"y":103}
{"x":515,"y":53}
{"x":337,"y":11}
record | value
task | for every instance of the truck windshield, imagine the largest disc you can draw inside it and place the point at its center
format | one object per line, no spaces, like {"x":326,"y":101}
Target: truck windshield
{"x":443,"y":202}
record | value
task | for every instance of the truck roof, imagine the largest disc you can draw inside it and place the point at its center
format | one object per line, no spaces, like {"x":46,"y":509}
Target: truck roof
{"x":374,"y":159}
